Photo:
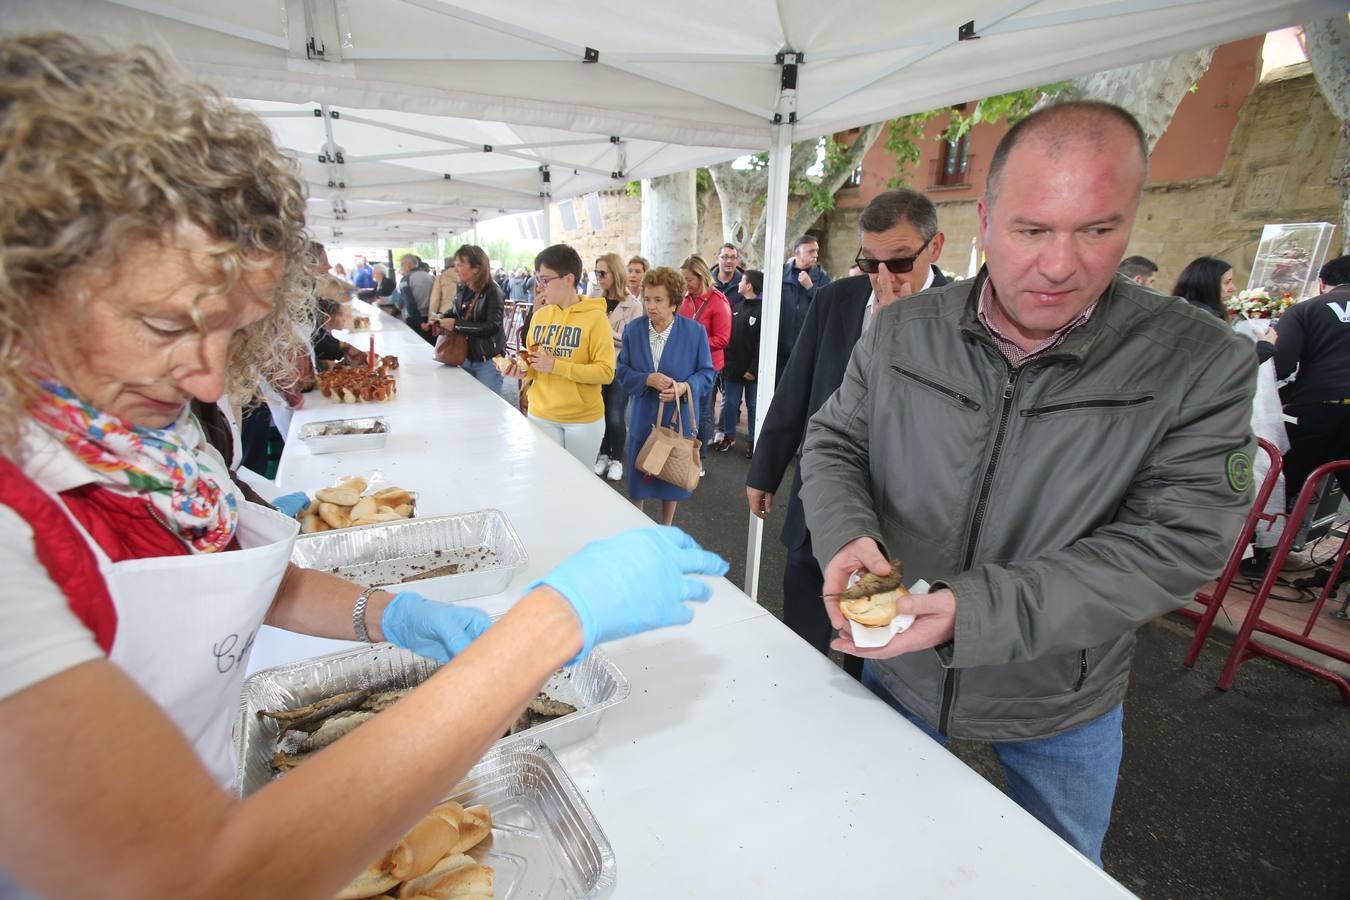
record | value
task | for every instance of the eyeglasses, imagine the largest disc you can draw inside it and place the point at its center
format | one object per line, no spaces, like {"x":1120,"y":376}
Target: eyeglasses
{"x":896,"y":266}
{"x":545,"y":280}
{"x":600,"y":273}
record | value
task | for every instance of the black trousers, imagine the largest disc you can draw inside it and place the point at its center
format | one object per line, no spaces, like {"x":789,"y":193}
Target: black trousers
{"x":803,"y":607}
{"x":1322,"y":435}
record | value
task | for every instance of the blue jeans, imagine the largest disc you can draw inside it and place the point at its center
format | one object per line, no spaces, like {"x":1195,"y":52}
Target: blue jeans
{"x":486,"y":373}
{"x":705,"y":416}
{"x":731,"y":405}
{"x":1067,"y":781}
{"x":615,"y":442}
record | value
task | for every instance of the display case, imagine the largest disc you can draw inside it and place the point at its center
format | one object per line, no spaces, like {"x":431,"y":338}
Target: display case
{"x":1288,"y":259}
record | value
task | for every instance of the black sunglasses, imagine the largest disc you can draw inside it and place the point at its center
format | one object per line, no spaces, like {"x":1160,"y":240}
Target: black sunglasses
{"x":897,"y":266}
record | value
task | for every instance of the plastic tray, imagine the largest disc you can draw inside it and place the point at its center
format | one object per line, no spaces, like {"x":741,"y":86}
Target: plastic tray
{"x":592,"y":687}
{"x":483,"y":544}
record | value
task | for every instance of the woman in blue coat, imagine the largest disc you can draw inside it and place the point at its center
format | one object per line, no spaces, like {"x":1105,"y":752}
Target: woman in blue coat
{"x":664,"y":356}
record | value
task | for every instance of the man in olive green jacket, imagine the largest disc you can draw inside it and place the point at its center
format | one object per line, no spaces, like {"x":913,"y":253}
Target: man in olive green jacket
{"x":1063,"y":454}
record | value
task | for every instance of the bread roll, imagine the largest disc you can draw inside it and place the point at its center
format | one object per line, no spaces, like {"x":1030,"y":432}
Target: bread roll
{"x":452,"y":812}
{"x":465,"y":881}
{"x":423,"y":883}
{"x":421,"y":848}
{"x":365,"y":508}
{"x":872,"y":601}
{"x":476,"y":826}
{"x":335,"y":516}
{"x":353,"y":483}
{"x":370,"y":883}
{"x":338,"y":496}
{"x":392,"y":496}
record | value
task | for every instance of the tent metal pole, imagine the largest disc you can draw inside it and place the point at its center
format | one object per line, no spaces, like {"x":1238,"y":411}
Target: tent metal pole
{"x":545,"y":230}
{"x":775,"y":233}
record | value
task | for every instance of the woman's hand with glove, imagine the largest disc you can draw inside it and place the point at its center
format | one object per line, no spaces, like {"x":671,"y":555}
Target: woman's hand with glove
{"x":633,"y":582}
{"x":438,"y":631}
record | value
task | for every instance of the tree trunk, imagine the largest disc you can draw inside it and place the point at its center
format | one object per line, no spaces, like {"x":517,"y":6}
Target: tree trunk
{"x":669,"y":218}
{"x":806,"y":215}
{"x":1328,"y":45}
{"x":1150,"y":90}
{"x":739,"y":190}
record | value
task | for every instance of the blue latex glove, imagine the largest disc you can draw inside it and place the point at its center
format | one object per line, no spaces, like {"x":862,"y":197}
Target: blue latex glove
{"x":633,"y":582}
{"x":437,"y":631}
{"x":291,"y":504}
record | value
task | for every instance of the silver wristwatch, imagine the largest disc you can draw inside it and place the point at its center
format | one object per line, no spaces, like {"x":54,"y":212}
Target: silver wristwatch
{"x":359,"y":615}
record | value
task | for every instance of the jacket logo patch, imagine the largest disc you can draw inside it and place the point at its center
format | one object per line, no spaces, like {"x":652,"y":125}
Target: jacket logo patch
{"x":1342,"y":311}
{"x":1239,"y":467}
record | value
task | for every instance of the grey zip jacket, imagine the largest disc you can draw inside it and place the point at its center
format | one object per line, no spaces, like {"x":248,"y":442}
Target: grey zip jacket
{"x":1065,"y":502}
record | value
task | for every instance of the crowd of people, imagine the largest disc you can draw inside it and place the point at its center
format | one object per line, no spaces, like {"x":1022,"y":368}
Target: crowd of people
{"x":1063,"y":451}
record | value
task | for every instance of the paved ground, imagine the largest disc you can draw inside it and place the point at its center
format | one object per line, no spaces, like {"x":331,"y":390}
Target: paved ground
{"x":1222,"y":795}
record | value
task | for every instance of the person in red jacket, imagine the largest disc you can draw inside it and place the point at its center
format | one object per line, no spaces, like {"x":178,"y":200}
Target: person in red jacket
{"x":708,"y":306}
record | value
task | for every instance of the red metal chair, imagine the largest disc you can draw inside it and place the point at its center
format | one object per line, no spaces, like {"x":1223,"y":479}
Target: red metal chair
{"x":1244,"y":647}
{"x":1214,"y":601}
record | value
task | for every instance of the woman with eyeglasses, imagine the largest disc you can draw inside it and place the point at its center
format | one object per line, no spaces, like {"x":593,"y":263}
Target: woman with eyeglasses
{"x":571,"y":353}
{"x":709,"y":307}
{"x":621,"y":309}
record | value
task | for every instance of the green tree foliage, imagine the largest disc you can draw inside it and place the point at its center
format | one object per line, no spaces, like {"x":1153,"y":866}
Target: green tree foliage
{"x":905,"y":135}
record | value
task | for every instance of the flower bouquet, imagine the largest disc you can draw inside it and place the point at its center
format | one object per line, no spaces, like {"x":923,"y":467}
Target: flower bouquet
{"x":1259,"y":304}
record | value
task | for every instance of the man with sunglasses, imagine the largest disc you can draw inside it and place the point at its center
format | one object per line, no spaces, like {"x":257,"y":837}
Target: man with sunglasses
{"x":900,"y":242}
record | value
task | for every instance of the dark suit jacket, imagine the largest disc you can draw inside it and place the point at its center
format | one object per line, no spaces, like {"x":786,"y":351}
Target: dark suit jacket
{"x":815,"y":371}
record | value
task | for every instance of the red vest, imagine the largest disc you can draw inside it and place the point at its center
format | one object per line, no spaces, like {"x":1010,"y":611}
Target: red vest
{"x":63,"y":552}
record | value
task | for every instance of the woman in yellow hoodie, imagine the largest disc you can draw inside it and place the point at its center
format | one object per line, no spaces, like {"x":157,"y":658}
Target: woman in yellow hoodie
{"x":571,"y":352}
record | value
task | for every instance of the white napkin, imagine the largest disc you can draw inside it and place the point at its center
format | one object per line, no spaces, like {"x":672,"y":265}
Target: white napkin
{"x":880,"y":635}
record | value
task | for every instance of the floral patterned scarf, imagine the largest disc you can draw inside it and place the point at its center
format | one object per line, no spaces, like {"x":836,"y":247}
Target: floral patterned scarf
{"x":192,"y":498}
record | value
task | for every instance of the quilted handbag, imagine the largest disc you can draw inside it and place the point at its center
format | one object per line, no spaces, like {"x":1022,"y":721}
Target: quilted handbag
{"x":667,"y":454}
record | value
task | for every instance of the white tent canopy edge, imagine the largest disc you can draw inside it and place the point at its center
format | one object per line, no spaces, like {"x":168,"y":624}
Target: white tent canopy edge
{"x":706,"y":74}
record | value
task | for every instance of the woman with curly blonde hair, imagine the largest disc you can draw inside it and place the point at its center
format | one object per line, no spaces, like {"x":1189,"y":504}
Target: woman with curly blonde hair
{"x":137,"y":577}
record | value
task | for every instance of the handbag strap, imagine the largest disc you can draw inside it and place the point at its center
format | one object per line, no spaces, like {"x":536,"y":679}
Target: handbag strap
{"x":661,"y":416}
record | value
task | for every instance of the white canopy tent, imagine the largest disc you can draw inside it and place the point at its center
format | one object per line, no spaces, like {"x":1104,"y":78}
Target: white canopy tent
{"x":593,"y":93}
{"x":374,"y":174}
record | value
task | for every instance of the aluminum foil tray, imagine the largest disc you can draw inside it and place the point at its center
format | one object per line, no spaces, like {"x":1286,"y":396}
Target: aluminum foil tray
{"x":312,"y":436}
{"x":483,"y":546}
{"x":592,"y":687}
{"x":546,"y":842}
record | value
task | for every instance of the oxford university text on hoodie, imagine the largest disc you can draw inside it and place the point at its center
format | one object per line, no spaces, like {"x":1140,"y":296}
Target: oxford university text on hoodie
{"x":580,"y":340}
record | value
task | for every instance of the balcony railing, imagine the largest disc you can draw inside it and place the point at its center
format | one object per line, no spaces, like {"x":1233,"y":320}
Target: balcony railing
{"x":956,"y":173}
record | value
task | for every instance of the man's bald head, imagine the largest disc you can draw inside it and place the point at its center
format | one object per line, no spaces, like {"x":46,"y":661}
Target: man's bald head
{"x":1055,"y":129}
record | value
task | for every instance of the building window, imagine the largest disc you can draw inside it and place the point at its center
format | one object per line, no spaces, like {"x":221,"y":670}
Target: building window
{"x":952,"y":166}
{"x":854,"y":177}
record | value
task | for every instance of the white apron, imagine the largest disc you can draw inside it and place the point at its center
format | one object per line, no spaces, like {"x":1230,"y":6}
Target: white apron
{"x":186,"y":624}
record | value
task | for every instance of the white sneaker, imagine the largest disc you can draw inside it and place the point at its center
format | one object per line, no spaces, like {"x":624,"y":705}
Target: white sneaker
{"x":702,"y":472}
{"x":615,"y":470}
{"x":602,"y":465}
{"x":719,"y":436}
